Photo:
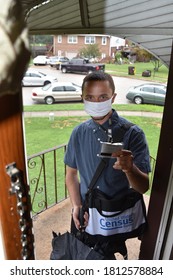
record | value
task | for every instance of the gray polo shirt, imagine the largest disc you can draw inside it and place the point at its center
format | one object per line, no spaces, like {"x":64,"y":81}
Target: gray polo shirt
{"x":84,"y":146}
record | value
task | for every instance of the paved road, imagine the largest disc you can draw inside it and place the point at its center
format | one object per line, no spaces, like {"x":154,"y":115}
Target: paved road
{"x":122,"y":84}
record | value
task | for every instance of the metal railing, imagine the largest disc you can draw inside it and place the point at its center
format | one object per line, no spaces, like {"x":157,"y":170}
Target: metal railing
{"x":47,"y":172}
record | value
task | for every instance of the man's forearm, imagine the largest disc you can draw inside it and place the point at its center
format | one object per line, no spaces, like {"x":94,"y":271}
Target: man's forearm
{"x":73,"y":187}
{"x":137,"y":179}
{"x":72,"y":183}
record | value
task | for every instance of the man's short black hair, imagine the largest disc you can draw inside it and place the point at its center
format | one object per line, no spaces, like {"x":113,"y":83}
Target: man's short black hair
{"x":99,"y":76}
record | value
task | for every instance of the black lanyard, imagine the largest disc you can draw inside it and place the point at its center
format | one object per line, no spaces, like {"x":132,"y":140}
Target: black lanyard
{"x":110,"y":138}
{"x":109,"y":131}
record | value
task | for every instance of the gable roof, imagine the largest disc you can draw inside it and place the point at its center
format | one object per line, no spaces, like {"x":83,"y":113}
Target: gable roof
{"x":146,"y":22}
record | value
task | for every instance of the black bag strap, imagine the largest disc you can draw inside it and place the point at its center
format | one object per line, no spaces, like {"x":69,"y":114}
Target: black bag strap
{"x":104,"y":161}
{"x":98,"y":172}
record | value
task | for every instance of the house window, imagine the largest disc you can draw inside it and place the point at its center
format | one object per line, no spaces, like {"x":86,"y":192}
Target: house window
{"x":59,"y":39}
{"x":104,"y":41}
{"x":89,"y":39}
{"x":72,"y":39}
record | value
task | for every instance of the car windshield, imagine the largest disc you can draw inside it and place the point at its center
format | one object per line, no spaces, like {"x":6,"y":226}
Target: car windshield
{"x":42,"y":73}
{"x":46,"y":87}
{"x":76,"y":85}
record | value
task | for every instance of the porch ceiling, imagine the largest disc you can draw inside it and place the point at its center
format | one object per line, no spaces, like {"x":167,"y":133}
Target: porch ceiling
{"x":146,"y":22}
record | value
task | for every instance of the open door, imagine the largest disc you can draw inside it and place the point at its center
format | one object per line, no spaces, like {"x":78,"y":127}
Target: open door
{"x":158,"y":241}
{"x":15,"y":220}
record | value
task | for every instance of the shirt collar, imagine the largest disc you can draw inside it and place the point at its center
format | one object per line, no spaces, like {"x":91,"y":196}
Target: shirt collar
{"x":114,"y":118}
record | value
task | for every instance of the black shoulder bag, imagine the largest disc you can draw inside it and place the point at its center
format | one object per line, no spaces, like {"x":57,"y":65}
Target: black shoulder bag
{"x":114,"y":218}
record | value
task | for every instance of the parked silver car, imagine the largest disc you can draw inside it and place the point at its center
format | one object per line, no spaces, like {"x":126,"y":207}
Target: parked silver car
{"x":36,"y":78}
{"x":61,"y":59}
{"x":59,"y":91}
{"x":55,"y":61}
{"x":147,"y":93}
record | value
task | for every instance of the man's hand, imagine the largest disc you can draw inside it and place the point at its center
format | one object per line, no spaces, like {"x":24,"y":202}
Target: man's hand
{"x":124,"y":161}
{"x":76,"y":213}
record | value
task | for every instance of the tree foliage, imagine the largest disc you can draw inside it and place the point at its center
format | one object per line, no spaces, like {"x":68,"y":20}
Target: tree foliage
{"x":91,"y":51}
{"x":142,"y":55}
{"x":41,"y":39}
{"x":157,"y":63}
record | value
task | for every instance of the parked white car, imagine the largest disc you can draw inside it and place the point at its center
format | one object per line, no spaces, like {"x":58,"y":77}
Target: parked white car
{"x":59,"y":91}
{"x":33,"y":77}
{"x":41,"y":60}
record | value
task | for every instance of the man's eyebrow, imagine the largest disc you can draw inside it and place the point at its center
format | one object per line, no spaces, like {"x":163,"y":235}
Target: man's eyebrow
{"x":101,"y":94}
{"x":89,"y":94}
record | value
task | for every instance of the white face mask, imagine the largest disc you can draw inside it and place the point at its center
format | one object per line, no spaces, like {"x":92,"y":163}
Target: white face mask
{"x":98,"y":109}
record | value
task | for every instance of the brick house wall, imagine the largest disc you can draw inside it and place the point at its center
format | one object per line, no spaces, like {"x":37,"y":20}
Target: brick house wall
{"x":69,"y":45}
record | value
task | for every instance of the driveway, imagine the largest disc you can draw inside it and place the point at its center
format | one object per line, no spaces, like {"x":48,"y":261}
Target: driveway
{"x":121,"y":84}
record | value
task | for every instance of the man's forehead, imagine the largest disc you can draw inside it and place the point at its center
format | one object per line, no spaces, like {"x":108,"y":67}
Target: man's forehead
{"x":98,"y":82}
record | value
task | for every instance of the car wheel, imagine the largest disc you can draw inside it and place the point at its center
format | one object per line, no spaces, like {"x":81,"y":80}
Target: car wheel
{"x":46,"y":83}
{"x":49,"y":100}
{"x":138,"y":100}
{"x":64,"y":70}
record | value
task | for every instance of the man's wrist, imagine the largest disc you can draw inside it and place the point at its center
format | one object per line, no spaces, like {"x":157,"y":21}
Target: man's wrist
{"x":129,"y":171}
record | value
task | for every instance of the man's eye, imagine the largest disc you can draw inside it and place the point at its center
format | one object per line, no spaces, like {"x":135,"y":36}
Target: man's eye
{"x":104,"y":97}
{"x":89,"y":98}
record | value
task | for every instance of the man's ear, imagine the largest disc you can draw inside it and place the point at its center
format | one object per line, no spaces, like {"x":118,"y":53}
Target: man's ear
{"x":113,"y":98}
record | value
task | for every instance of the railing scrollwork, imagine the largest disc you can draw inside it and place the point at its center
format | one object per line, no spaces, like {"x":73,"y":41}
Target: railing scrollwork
{"x":47,"y":178}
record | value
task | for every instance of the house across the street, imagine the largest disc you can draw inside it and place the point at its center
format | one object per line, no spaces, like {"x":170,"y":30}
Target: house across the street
{"x":70,"y":45}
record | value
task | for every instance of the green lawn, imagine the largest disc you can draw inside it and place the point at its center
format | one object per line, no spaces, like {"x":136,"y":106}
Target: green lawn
{"x":122,"y":71}
{"x":79,"y":106}
{"x":42,"y":134}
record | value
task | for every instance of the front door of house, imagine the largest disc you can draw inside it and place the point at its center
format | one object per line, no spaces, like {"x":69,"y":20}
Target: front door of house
{"x":15,"y":221}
